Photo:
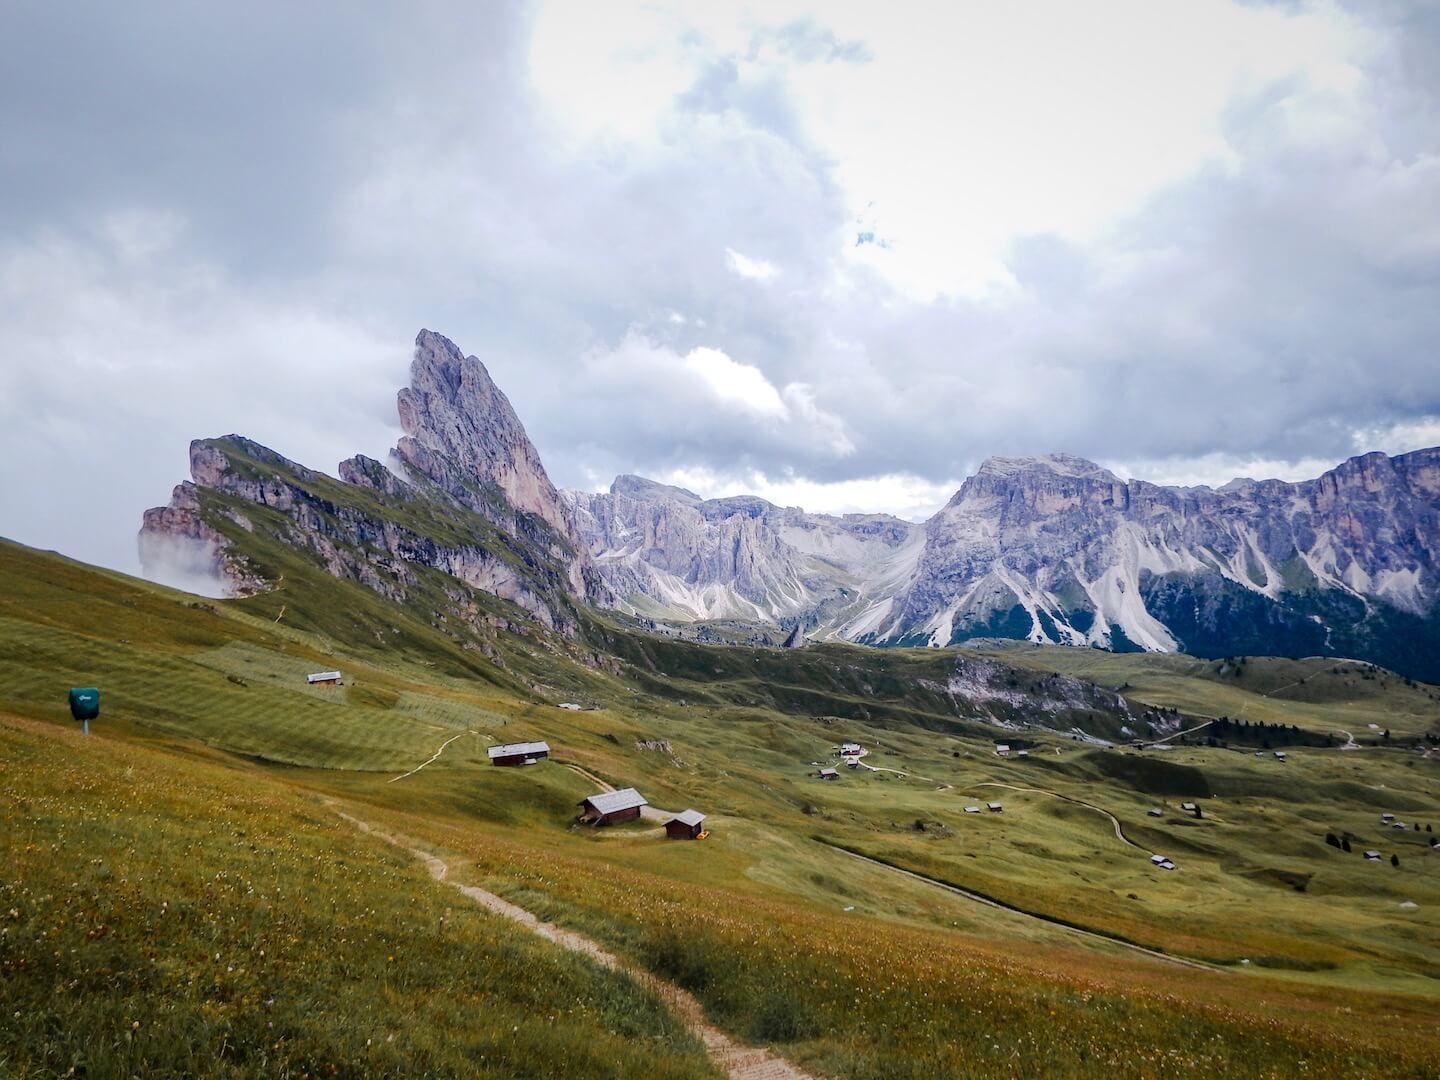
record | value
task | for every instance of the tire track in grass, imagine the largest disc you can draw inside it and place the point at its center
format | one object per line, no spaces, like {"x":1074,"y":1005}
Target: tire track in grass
{"x":737,"y":1060}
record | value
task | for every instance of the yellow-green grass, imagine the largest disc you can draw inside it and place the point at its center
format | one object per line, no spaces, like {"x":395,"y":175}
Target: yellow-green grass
{"x":172,"y":668}
{"x":852,"y":994}
{"x":175,"y":916}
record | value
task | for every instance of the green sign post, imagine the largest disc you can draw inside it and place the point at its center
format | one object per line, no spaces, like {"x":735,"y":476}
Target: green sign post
{"x":85,"y":706}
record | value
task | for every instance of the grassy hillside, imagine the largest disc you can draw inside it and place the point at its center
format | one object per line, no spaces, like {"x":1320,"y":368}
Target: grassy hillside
{"x":210,"y":745}
{"x":175,"y":914}
{"x":1321,"y":694}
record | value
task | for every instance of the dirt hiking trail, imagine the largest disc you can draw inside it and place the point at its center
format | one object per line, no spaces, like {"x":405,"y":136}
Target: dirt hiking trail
{"x":735,"y":1059}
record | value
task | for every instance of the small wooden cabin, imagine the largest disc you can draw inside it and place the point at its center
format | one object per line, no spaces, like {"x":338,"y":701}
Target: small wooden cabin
{"x":324,"y":678}
{"x":686,"y":825}
{"x":994,"y":807}
{"x":612,"y":807}
{"x":520,"y":753}
{"x":828,"y":774}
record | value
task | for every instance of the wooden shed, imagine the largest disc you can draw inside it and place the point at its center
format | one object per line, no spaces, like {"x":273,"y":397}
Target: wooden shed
{"x":828,"y":774}
{"x":324,"y":678}
{"x":686,"y":825}
{"x":520,"y":753}
{"x":612,"y":807}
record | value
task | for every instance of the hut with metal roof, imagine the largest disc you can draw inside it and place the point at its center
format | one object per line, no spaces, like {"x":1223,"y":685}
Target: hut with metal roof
{"x":520,"y":753}
{"x":324,"y":678}
{"x":828,"y":774}
{"x":612,"y":807}
{"x":686,"y":825}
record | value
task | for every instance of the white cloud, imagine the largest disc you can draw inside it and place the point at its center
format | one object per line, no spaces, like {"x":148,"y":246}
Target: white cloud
{"x":734,"y":383}
{"x":746,"y":267}
{"x":904,"y":496}
{"x":1399,"y":438}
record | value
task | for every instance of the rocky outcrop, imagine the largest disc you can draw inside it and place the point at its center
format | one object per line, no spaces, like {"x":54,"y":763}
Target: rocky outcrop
{"x":666,"y":552}
{"x":468,"y":497}
{"x":1058,"y":549}
{"x":348,"y":539}
{"x":178,"y":547}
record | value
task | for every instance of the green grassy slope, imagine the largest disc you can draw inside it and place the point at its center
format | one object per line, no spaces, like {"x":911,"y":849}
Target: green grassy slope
{"x":175,"y":916}
{"x":768,"y":910}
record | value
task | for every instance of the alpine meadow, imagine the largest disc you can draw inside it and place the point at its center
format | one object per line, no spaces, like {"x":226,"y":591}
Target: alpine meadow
{"x":930,"y":570}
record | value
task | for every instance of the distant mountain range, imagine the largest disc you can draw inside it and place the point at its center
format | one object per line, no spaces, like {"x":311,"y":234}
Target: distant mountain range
{"x":1049,"y":549}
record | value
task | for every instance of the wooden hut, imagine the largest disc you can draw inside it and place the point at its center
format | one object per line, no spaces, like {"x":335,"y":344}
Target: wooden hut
{"x":520,"y":753}
{"x":324,"y":678}
{"x":828,"y":774}
{"x":612,"y":807}
{"x":686,"y":825}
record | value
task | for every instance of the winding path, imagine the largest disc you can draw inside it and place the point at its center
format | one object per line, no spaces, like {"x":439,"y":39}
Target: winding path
{"x":735,"y":1059}
{"x":436,"y":756}
{"x":906,"y":775}
{"x":1119,"y":832}
{"x":601,"y":784}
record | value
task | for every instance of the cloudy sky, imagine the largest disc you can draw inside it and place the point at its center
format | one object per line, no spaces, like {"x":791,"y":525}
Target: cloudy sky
{"x":833,"y":253}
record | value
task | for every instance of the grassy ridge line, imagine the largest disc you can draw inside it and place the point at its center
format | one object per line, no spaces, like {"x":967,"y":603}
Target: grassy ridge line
{"x":172,"y":916}
{"x":1314,"y":695}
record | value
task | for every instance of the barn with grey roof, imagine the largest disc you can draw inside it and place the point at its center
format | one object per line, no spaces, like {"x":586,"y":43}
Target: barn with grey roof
{"x":520,"y":753}
{"x":612,"y":807}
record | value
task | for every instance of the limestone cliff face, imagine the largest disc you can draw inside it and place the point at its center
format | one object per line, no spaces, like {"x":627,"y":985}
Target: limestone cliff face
{"x":350,"y":538}
{"x":1050,"y":549}
{"x":474,"y":503}
{"x":1059,"y":549}
{"x":665,"y":551}
{"x":178,"y":547}
{"x":462,"y":434}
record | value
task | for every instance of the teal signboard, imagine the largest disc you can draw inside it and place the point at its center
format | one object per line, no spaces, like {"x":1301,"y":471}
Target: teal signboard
{"x":85,"y":703}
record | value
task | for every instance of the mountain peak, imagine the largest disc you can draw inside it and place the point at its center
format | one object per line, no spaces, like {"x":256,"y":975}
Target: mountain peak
{"x":1059,"y":464}
{"x":461,"y":429}
{"x":647,"y":490}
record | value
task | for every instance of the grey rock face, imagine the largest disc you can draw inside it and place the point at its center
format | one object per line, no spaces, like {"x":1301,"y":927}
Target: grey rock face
{"x":664,"y":551}
{"x":348,"y":541}
{"x":1058,"y":549}
{"x":464,"y":446}
{"x":1054,"y":549}
{"x":462,"y":435}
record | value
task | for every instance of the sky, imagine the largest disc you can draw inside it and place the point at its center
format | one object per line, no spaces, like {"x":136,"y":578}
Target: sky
{"x":832,"y":254}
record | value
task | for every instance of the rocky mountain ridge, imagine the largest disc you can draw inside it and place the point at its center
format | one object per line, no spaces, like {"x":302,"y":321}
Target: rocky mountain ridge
{"x":1048,"y":549}
{"x":465,"y":495}
{"x":1058,"y":549}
